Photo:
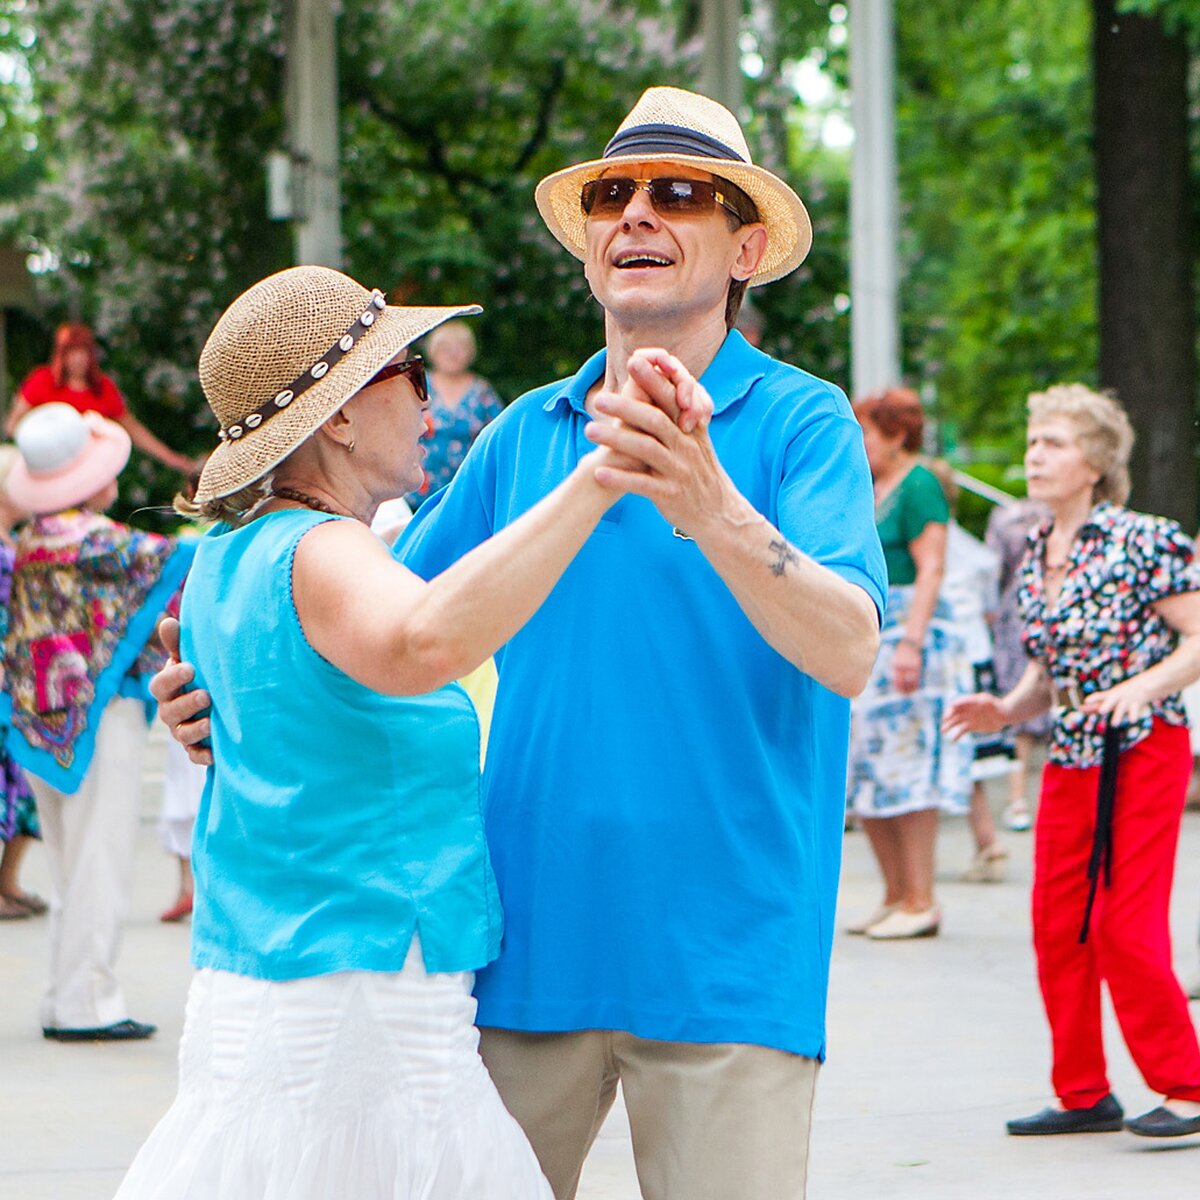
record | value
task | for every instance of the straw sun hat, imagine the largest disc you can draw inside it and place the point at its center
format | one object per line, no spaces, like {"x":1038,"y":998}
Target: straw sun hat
{"x":66,"y":457}
{"x":285,"y":356}
{"x":670,"y":125}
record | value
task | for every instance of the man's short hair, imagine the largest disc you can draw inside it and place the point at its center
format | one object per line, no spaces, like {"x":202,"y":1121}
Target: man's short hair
{"x":746,"y":214}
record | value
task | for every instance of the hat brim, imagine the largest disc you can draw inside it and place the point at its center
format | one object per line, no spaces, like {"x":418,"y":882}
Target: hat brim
{"x":789,"y":230}
{"x":103,"y":459}
{"x":234,"y":465}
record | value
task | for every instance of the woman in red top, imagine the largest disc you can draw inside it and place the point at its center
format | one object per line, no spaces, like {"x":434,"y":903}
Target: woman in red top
{"x":73,"y":377}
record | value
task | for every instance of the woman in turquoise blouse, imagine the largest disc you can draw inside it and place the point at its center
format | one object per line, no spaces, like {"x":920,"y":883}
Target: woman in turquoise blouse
{"x":901,"y":772}
{"x":344,"y":894}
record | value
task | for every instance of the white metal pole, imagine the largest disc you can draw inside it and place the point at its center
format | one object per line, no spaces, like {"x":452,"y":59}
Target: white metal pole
{"x":312,"y":119}
{"x":874,"y":269}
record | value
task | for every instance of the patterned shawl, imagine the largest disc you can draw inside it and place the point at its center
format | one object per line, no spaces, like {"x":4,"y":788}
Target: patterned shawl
{"x":86,"y":595}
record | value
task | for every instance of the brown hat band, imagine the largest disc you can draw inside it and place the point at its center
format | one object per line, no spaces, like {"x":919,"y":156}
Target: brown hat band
{"x":264,"y":412}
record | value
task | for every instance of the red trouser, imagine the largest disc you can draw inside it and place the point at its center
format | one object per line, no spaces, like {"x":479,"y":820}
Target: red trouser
{"x":1129,"y":945}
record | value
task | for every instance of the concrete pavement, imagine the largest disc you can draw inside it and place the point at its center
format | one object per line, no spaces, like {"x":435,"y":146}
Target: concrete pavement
{"x":932,"y":1044}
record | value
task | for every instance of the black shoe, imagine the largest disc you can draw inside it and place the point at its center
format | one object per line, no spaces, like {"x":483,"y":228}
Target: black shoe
{"x":122,"y":1031}
{"x":1162,"y":1122}
{"x":1105,"y":1116}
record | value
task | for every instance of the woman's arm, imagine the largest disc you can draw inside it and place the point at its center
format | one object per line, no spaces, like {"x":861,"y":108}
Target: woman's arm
{"x":145,"y":441}
{"x":928,"y":550}
{"x":20,"y":406}
{"x":393,"y":632}
{"x":985,"y":713}
{"x":1131,"y":699}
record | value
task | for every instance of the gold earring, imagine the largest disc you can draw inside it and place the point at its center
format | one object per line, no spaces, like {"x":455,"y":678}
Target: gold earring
{"x":350,"y":446}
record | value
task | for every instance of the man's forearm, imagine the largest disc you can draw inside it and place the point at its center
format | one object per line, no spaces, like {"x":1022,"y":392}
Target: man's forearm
{"x":819,"y":622}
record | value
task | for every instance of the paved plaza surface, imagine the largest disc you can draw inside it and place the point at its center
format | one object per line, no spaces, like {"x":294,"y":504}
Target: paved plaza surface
{"x":932,"y":1044}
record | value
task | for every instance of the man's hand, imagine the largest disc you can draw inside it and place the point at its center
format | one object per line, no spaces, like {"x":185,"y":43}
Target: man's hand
{"x":179,"y":709}
{"x":663,"y":401}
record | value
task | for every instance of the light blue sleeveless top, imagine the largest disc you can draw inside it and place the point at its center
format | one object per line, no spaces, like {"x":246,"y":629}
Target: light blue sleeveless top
{"x":337,"y":821}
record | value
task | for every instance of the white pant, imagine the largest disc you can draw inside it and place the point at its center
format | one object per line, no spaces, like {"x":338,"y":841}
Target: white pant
{"x":89,"y":839}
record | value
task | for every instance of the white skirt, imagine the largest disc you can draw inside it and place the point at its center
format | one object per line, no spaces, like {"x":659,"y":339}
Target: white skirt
{"x":359,"y":1085}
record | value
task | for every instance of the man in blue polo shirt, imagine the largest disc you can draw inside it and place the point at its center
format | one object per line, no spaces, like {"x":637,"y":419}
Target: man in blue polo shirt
{"x":665,"y":782}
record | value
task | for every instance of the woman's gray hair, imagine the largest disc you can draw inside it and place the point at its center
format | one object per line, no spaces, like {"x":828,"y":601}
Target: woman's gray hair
{"x":1104,"y":432}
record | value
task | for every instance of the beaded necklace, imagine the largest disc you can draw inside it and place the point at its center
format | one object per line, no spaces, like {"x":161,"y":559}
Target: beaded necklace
{"x":290,"y":493}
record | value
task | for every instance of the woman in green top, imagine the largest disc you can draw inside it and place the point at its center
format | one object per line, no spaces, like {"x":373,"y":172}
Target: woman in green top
{"x":901,"y":772}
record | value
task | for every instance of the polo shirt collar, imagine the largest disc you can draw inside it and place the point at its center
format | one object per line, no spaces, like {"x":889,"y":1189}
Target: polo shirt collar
{"x":735,"y":369}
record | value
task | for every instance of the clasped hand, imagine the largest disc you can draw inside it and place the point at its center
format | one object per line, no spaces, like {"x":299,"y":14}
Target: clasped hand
{"x":658,"y":440}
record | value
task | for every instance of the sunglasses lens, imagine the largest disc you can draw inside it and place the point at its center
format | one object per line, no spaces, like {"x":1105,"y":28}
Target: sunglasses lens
{"x":682,"y":195}
{"x":603,"y":197}
{"x":416,"y":376}
{"x":413,"y":367}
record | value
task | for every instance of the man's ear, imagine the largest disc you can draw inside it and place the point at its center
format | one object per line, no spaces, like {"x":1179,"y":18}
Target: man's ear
{"x":752,"y":247}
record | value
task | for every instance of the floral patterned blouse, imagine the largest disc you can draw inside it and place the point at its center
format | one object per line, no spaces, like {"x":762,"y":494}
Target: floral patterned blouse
{"x":454,"y":429}
{"x":1103,"y":628}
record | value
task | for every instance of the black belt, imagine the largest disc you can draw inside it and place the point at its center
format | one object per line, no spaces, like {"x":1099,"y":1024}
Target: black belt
{"x":1102,"y":838}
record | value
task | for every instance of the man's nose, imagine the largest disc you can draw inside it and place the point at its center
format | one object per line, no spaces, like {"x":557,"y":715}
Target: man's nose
{"x":639,"y":210}
{"x":427,"y":432}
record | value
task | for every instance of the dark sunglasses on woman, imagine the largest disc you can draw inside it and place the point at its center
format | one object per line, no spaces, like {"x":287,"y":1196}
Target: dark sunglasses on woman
{"x":413,"y":367}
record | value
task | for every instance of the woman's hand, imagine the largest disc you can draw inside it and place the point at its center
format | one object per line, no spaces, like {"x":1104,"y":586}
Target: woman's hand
{"x":978,"y":713}
{"x":906,"y":667}
{"x":1124,"y":704}
{"x":180,"y":710}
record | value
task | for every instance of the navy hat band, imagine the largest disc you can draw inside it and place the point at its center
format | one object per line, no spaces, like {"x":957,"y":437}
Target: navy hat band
{"x":649,"y":140}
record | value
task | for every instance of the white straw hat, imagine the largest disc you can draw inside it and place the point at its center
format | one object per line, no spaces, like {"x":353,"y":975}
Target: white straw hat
{"x":671,"y":125}
{"x":66,"y":457}
{"x":286,"y":355}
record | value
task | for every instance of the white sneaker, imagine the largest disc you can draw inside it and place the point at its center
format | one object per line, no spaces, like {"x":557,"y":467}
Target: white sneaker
{"x":1017,"y":818}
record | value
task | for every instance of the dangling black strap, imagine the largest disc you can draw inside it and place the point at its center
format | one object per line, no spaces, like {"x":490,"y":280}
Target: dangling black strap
{"x":1102,"y":839}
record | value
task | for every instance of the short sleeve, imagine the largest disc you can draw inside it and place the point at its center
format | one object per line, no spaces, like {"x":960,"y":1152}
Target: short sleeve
{"x":38,"y":387}
{"x":1161,"y":555}
{"x":490,"y":404}
{"x":923,"y":503}
{"x":826,"y":506}
{"x":110,"y":402}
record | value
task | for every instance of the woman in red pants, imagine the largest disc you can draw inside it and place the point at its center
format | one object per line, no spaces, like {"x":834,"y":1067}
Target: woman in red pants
{"x":1110,"y":606}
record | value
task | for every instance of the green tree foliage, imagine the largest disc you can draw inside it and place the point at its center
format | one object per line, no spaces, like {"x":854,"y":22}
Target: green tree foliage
{"x":999,"y":278}
{"x":151,"y":215}
{"x":147,"y":200}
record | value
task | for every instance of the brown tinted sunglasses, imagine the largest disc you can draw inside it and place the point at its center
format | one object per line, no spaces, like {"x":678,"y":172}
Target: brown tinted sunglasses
{"x":610,"y":196}
{"x":413,"y":367}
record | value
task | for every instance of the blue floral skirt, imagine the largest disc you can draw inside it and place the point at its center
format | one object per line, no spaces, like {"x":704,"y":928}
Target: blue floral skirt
{"x":899,"y":760}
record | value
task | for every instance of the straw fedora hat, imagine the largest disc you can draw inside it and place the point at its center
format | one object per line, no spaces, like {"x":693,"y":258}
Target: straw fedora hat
{"x":671,"y":125}
{"x":66,"y":457}
{"x":285,"y":356}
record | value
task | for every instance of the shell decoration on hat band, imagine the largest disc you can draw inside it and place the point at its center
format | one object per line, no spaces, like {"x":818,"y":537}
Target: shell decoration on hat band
{"x":264,"y":412}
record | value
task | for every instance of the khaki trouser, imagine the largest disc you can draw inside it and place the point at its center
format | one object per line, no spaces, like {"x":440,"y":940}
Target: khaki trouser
{"x":708,"y":1122}
{"x":90,"y":839}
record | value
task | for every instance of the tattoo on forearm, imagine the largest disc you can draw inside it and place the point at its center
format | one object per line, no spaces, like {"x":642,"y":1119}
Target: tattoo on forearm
{"x":786,"y":555}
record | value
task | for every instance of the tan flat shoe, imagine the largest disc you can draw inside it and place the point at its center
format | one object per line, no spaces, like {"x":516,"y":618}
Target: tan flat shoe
{"x":988,"y":866}
{"x":900,"y":924}
{"x":861,"y":927}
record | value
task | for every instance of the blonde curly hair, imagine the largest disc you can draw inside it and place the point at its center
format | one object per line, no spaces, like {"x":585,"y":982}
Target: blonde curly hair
{"x":1102,"y":428}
